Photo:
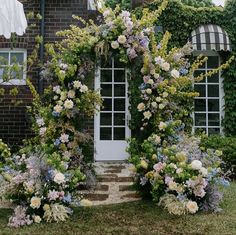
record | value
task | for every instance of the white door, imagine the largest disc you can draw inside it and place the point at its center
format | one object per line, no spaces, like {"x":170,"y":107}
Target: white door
{"x":111,"y":123}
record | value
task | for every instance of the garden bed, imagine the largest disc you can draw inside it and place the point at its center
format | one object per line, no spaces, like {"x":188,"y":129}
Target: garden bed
{"x":135,"y":218}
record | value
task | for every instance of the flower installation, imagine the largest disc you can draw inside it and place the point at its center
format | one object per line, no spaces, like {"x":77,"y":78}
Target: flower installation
{"x":43,"y":178}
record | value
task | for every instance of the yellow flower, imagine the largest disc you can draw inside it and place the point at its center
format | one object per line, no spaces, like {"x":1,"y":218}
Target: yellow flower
{"x":181,"y":156}
{"x":143,"y":164}
{"x":46,"y":207}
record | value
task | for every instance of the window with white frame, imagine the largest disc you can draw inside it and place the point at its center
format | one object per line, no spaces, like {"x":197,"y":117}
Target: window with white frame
{"x":208,"y":107}
{"x":13,"y":66}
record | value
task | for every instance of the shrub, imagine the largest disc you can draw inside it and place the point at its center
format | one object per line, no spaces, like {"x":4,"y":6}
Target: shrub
{"x":226,"y":144}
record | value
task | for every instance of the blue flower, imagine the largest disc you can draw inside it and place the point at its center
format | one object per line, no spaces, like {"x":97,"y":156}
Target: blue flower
{"x":55,"y":114}
{"x":67,"y":198}
{"x":57,"y":142}
{"x":143,"y":86}
{"x":183,"y":71}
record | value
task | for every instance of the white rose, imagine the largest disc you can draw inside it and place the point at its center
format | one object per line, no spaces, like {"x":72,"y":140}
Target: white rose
{"x":40,"y":122}
{"x":114,"y":44}
{"x":58,"y":108}
{"x":59,"y":178}
{"x":68,"y":104}
{"x":37,"y":219}
{"x":149,"y":91}
{"x":165,"y":66}
{"x":174,"y":73}
{"x":156,"y":75}
{"x":35,"y":202}
{"x":71,"y":94}
{"x":77,"y":84}
{"x":141,"y":107}
{"x":196,"y":165}
{"x":192,"y":207}
{"x":150,"y":81}
{"x":165,"y":94}
{"x":161,"y":106}
{"x":157,"y":139}
{"x":121,"y":39}
{"x":147,"y":114}
{"x":154,"y":104}
{"x":203,"y":171}
{"x":83,"y":88}
{"x":158,"y":99}
{"x":57,"y":89}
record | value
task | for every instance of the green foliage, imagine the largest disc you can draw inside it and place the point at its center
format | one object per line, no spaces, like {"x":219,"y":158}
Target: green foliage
{"x":198,"y":3}
{"x":124,"y":4}
{"x":226,"y":144}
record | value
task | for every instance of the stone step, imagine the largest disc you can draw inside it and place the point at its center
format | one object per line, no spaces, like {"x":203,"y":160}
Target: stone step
{"x":114,"y":178}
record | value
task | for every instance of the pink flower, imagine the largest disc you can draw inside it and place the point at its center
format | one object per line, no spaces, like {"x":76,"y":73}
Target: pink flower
{"x":158,"y":167}
{"x":53,"y":195}
{"x":168,"y":180}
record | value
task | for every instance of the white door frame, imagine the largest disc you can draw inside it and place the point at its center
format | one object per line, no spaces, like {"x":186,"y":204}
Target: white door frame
{"x":112,"y":147}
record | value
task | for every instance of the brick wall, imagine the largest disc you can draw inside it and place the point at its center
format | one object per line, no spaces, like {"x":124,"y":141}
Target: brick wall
{"x":14,"y":121}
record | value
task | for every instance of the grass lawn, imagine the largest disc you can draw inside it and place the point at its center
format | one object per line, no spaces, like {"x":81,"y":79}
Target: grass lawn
{"x":135,"y":218}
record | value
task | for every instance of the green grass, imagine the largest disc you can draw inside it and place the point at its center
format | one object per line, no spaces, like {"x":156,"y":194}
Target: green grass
{"x":135,"y":218}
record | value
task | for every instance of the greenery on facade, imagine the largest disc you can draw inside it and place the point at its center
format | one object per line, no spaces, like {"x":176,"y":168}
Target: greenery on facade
{"x":180,"y":20}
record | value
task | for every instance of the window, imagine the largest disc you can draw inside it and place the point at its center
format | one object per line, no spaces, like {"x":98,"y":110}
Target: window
{"x":94,"y":4}
{"x":12,"y":66}
{"x":208,"y":105}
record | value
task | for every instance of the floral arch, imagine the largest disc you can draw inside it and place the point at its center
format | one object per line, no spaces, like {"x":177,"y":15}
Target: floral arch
{"x":43,"y":178}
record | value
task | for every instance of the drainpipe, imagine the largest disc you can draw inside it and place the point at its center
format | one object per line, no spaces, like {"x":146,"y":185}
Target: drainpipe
{"x":41,"y":49}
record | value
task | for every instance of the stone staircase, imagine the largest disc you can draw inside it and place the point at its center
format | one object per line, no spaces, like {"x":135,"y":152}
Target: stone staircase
{"x":114,"y":184}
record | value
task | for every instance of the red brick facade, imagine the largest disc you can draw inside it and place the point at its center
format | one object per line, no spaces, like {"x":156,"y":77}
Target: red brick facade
{"x":14,"y":121}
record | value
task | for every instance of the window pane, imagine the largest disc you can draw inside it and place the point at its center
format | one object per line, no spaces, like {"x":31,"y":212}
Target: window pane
{"x":213,"y":105}
{"x":214,"y":78}
{"x":107,"y":104}
{"x":2,"y":72}
{"x":119,"y":104}
{"x":212,"y":62}
{"x":106,"y":90}
{"x":200,"y":119}
{"x":213,"y":131}
{"x":17,"y":57}
{"x":17,"y":74}
{"x":213,"y":119}
{"x":213,"y":90}
{"x":105,"y":119}
{"x":201,"y":89}
{"x":119,"y":90}
{"x":119,"y":75}
{"x":200,"y":105}
{"x":119,"y":133}
{"x":119,"y":119}
{"x":105,"y":133}
{"x":106,"y":76}
{"x":198,"y":73}
{"x":4,"y":58}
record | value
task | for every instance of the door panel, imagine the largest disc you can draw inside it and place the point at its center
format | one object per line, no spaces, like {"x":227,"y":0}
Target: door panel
{"x":111,"y":123}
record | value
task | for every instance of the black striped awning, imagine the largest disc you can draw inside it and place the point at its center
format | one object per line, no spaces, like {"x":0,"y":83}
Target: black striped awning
{"x":210,"y":37}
